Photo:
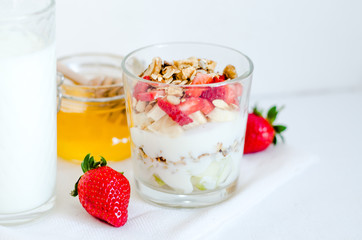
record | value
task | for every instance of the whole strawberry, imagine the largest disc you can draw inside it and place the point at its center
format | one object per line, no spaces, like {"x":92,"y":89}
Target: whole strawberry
{"x":103,"y":192}
{"x":260,"y":131}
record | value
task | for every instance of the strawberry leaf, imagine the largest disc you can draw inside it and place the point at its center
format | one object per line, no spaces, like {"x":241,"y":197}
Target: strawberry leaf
{"x":272,"y":114}
{"x":279,"y":128}
{"x":74,"y":193}
{"x":258,"y":112}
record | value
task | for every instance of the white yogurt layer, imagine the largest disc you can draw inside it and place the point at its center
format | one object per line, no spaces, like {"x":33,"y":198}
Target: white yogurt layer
{"x":185,"y":171}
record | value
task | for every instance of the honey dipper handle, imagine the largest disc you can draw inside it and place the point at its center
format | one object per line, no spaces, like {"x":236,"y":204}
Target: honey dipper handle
{"x":71,"y":75}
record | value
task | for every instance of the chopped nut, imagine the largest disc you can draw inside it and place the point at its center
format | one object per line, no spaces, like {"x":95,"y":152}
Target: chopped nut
{"x":230,"y":72}
{"x":173,"y":99}
{"x":184,"y":82}
{"x":160,"y":159}
{"x":176,"y":82}
{"x":203,"y":63}
{"x":154,"y":67}
{"x":168,"y":71}
{"x":211,"y":65}
{"x":175,"y":91}
{"x":187,"y":72}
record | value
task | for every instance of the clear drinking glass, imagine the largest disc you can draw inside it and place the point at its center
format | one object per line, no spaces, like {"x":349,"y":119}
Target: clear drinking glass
{"x":194,"y":164}
{"x":27,"y":109}
{"x":92,"y":118}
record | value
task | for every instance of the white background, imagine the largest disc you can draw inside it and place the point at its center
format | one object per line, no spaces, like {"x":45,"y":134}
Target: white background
{"x":295,"y":45}
{"x":307,"y":55}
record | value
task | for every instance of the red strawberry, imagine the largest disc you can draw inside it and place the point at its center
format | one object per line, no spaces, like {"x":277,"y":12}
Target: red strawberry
{"x":260,"y":131}
{"x":103,"y":192}
{"x":219,"y":78}
{"x":200,"y":78}
{"x":149,"y":96}
{"x":213,"y":93}
{"x":176,"y":114}
{"x":191,"y":105}
{"x":208,"y":107}
{"x":230,"y":96}
{"x":140,"y":87}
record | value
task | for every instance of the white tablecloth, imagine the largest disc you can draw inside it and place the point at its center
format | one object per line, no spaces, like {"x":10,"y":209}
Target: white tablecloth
{"x":260,"y":175}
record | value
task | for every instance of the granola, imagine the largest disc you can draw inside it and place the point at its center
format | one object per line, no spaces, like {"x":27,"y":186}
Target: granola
{"x":183,"y":72}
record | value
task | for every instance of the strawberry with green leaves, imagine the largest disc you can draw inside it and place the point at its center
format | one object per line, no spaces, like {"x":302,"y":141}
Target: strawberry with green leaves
{"x":103,"y":192}
{"x":260,"y":131}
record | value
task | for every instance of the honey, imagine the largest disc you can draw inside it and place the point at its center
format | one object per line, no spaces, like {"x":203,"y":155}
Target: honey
{"x":92,"y":119}
{"x":97,"y":129}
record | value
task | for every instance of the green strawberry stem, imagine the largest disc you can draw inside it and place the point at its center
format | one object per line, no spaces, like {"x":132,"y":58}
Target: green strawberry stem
{"x":88,"y":164}
{"x":270,"y":117}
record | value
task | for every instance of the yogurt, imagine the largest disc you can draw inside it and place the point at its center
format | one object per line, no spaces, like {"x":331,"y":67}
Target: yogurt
{"x":27,"y":121}
{"x":193,"y":160}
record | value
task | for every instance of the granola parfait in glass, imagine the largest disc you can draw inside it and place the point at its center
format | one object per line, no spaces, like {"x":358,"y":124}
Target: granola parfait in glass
{"x":187,"y":111}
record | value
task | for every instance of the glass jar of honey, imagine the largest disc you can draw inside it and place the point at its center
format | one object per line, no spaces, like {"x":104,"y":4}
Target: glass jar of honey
{"x":92,"y":116}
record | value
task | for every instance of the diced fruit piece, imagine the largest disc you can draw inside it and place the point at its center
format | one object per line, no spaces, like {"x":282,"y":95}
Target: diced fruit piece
{"x":198,"y":119}
{"x":202,"y":78}
{"x":219,"y":78}
{"x":176,"y":114}
{"x":208,"y":107}
{"x":140,"y":87}
{"x":141,"y":120}
{"x":195,"y":91}
{"x":238,"y":89}
{"x":156,"y":113}
{"x":166,"y":126}
{"x":191,"y":105}
{"x":149,"y":96}
{"x":214,"y":93}
{"x":220,"y":115}
{"x":159,"y":180}
{"x":230,"y":95}
{"x":147,"y":77}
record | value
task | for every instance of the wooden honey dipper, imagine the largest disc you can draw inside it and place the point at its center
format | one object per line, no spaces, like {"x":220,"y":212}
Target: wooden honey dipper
{"x":104,"y":81}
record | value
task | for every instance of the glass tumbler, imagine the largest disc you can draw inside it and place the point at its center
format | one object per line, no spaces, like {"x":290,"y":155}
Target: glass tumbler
{"x":92,"y":117}
{"x":27,"y":109}
{"x":181,"y":159}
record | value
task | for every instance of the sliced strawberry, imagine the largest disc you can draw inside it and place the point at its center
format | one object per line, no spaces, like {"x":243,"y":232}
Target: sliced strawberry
{"x":176,"y":114}
{"x":202,"y":78}
{"x":214,"y":93}
{"x":219,"y":78}
{"x":191,"y":105}
{"x":149,"y":96}
{"x":140,"y":87}
{"x":208,"y":107}
{"x":230,"y":95}
{"x":238,"y":89}
{"x":195,"y":91}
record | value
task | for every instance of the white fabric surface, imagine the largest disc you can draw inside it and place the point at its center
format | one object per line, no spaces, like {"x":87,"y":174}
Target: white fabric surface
{"x":260,"y":175}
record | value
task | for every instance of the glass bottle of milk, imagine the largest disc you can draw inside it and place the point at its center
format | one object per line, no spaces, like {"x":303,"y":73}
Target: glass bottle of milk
{"x":27,"y":109}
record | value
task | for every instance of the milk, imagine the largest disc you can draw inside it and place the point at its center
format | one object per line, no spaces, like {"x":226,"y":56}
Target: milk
{"x":27,"y":121}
